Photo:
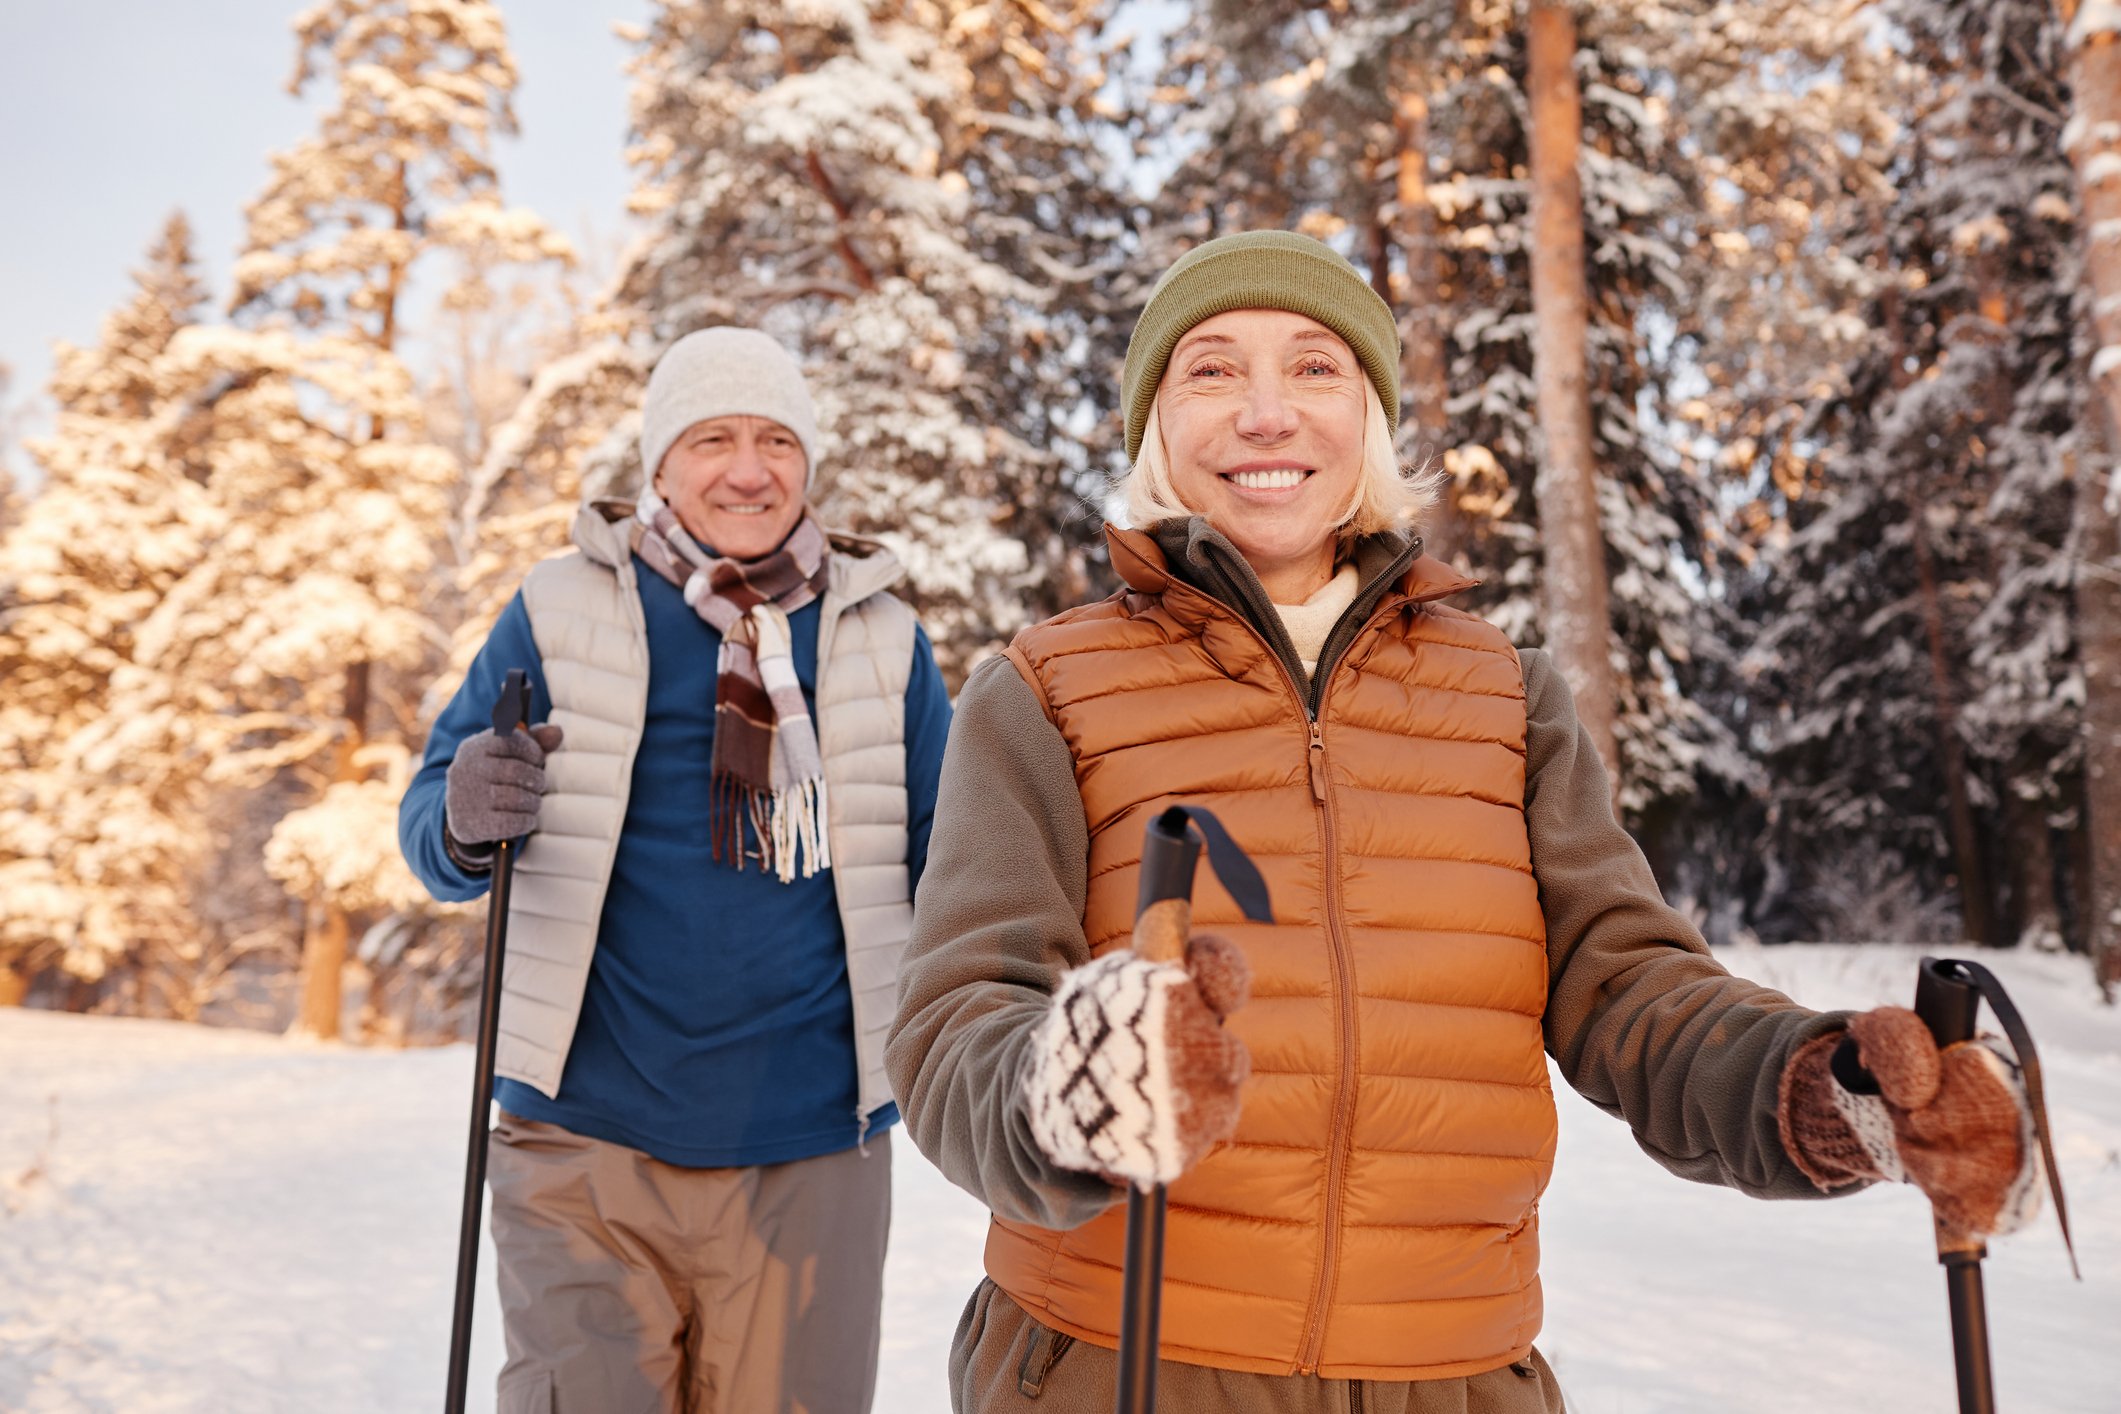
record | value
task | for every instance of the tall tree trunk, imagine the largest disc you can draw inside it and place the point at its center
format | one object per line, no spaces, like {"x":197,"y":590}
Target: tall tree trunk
{"x":1967,"y":868}
{"x":323,"y":960}
{"x":2093,"y":143}
{"x":1423,"y":371}
{"x":1379,"y":218}
{"x":327,"y":926}
{"x":1966,"y":840}
{"x":2099,"y":651}
{"x":2039,"y":917}
{"x":1577,"y":622}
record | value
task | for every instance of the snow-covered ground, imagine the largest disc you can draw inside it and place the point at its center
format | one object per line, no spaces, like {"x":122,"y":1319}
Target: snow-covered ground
{"x":200,"y":1220}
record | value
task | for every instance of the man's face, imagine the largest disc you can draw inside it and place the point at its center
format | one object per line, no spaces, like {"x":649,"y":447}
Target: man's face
{"x":735,"y":484}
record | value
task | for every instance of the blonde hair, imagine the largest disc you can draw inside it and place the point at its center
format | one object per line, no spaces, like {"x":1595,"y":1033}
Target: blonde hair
{"x":1388,"y":495}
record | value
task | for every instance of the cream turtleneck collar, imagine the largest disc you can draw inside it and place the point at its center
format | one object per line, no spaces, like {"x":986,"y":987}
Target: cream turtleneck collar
{"x":1308,"y":623}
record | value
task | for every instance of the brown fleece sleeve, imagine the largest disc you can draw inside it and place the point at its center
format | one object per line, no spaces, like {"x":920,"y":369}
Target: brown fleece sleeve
{"x":996,"y":921}
{"x":1642,"y":1021}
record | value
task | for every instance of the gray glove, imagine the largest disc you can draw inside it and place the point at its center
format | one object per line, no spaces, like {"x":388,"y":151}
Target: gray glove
{"x":494,"y":788}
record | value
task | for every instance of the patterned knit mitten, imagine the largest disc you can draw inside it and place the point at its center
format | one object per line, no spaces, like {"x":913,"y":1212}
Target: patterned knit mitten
{"x":1132,"y":1074}
{"x":1955,"y":1123}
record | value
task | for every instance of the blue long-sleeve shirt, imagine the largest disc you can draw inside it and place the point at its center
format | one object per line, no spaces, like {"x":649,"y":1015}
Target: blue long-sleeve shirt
{"x":717,"y":1029}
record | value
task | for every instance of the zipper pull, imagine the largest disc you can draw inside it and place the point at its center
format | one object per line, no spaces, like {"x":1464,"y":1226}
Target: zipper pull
{"x":1318,"y":764}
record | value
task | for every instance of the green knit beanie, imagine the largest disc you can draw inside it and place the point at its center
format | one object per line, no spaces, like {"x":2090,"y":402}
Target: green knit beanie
{"x":1258,"y":270}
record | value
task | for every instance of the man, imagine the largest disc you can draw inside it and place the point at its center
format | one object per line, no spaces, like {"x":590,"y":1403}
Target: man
{"x":727,"y":788}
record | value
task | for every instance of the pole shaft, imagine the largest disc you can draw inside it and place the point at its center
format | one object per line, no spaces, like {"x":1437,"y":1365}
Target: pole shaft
{"x":475,"y":1150}
{"x":1141,"y":1301}
{"x":1962,"y":1283}
{"x":1161,"y":923}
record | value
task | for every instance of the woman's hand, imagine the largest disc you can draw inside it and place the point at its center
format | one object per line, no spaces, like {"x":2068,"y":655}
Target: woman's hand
{"x":1132,"y":1074}
{"x":1880,"y":1101}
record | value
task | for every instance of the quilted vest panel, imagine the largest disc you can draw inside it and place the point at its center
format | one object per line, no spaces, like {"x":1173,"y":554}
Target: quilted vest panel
{"x":1375,"y":1215}
{"x":585,"y":614}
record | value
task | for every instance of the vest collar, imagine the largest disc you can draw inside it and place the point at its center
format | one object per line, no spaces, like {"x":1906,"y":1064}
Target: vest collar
{"x":1139,"y":559}
{"x":857,"y":569}
{"x":1199,"y":577}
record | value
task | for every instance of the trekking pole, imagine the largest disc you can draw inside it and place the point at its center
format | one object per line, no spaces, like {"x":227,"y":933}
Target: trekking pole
{"x":1163,"y":920}
{"x":509,"y":713}
{"x":1948,"y":995}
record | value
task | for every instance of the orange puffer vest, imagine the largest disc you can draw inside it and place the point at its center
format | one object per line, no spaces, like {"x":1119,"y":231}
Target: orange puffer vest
{"x":1375,"y":1216}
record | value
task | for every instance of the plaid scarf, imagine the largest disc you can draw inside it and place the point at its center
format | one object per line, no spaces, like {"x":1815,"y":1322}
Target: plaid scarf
{"x":769,"y":779}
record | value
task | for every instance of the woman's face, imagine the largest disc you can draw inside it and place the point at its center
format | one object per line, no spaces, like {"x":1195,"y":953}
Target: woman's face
{"x":1262,"y":414}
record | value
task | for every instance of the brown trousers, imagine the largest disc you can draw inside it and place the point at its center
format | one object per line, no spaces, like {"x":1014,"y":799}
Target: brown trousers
{"x":630,"y":1286}
{"x":1002,"y":1360}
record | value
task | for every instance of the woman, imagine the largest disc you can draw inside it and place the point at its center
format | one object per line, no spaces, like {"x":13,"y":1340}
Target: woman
{"x":1358,"y":1149}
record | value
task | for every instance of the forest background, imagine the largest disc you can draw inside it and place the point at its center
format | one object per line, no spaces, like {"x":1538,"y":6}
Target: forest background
{"x":1770,"y":351}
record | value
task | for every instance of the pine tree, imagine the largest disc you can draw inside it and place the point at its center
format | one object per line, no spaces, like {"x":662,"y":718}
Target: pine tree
{"x":1771,"y":136}
{"x":1292,"y":117}
{"x":316,"y":604}
{"x":912,"y":198}
{"x":1917,"y":681}
{"x":94,"y":868}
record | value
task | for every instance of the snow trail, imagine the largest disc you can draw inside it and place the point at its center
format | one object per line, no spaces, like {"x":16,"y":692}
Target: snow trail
{"x":202,"y":1220}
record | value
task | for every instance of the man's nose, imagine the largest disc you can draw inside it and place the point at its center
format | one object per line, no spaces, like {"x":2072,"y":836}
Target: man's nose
{"x":748,"y":466}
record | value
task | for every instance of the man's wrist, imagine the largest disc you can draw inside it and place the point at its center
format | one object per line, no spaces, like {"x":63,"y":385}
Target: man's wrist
{"x":471,"y":858}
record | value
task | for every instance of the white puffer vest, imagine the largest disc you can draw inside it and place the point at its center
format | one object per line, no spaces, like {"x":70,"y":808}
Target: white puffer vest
{"x":585,"y":613}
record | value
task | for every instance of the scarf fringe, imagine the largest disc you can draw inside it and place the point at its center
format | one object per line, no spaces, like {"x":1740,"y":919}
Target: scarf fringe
{"x":787,"y":832}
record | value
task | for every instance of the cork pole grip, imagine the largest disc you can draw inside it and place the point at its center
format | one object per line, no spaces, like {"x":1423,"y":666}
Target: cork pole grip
{"x":1161,"y":929}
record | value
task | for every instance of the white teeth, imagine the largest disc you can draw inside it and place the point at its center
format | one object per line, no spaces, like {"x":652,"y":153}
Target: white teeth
{"x":745,"y":510}
{"x":1268,"y":480}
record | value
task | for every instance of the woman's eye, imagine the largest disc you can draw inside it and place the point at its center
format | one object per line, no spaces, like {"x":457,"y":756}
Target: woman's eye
{"x":1206,"y":370}
{"x":1319,"y":365}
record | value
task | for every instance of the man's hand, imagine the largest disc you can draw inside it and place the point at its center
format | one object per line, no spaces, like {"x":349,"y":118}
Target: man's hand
{"x":1881,"y":1102}
{"x":494,"y":788}
{"x":1132,"y":1074}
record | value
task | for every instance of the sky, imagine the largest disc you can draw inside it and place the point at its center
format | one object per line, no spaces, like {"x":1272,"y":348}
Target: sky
{"x":114,"y":114}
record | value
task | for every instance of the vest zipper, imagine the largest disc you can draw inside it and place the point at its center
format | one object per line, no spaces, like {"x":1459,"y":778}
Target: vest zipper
{"x":1337,"y":1143}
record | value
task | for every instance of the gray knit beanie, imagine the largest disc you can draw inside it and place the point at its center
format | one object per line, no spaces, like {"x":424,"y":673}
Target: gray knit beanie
{"x":724,"y":372}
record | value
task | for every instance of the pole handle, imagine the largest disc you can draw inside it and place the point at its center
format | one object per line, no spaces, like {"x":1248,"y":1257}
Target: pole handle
{"x":512,"y":708}
{"x":1948,"y":997}
{"x":1164,"y":907}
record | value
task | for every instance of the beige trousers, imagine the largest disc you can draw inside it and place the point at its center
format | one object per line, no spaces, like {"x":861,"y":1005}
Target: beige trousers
{"x":630,"y":1286}
{"x":1002,"y":1360}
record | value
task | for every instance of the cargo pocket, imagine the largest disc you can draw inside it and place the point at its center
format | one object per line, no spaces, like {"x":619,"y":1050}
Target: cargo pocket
{"x":527,"y":1392}
{"x":1041,"y":1354}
